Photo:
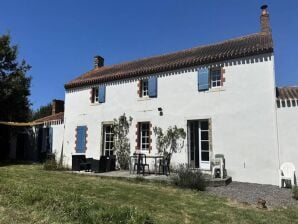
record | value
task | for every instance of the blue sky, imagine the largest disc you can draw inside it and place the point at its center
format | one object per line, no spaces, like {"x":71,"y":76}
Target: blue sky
{"x":60,"y":37}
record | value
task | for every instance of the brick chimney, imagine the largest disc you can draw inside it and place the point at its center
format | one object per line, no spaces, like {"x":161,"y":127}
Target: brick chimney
{"x":98,"y":61}
{"x":264,"y":19}
{"x":57,"y":106}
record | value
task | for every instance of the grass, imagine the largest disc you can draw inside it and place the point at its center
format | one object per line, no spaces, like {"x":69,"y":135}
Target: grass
{"x":29,"y":194}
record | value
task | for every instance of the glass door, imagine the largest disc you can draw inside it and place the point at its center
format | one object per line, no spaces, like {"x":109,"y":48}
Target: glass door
{"x":198,"y":144}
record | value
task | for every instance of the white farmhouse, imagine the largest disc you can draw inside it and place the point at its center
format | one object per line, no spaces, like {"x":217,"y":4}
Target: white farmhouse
{"x":223,"y":95}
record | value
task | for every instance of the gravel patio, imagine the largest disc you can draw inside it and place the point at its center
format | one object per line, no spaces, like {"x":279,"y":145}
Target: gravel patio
{"x":250,"y":193}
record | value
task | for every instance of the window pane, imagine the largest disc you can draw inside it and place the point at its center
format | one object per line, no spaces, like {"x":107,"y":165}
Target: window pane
{"x":205,"y":146}
{"x":204,"y":135}
{"x":205,"y":156}
{"x":204,"y":125}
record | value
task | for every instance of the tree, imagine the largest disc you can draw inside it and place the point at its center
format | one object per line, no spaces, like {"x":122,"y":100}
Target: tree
{"x":41,"y":112}
{"x":121,"y":141}
{"x":170,"y":142}
{"x":14,"y":84}
{"x":14,"y":90}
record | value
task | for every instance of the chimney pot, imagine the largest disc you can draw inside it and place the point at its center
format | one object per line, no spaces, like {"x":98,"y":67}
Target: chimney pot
{"x":265,"y":22}
{"x":98,"y":61}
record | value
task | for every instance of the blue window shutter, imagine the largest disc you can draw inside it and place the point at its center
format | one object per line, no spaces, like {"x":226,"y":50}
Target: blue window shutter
{"x":81,"y":139}
{"x":84,"y":130}
{"x":152,"y":86}
{"x":102,"y":94}
{"x":203,"y":79}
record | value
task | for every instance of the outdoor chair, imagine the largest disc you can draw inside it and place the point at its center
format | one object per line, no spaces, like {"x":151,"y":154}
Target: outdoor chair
{"x":287,"y":174}
{"x":86,"y":166}
{"x":164,"y":164}
{"x":141,"y":164}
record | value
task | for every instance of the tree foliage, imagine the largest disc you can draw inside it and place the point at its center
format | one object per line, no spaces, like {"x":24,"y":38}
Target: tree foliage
{"x":14,"y":84}
{"x":41,"y":112}
{"x":170,"y":142}
{"x":121,"y":140}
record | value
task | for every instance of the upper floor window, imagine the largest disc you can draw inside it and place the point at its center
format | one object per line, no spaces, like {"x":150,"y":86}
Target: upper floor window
{"x":148,"y":87}
{"x":98,"y":94}
{"x":144,"y":87}
{"x":215,"y":78}
{"x":210,"y":78}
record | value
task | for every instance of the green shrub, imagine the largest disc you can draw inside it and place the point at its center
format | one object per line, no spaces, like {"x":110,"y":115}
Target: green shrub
{"x":295,"y":192}
{"x":189,"y":178}
{"x":51,"y":164}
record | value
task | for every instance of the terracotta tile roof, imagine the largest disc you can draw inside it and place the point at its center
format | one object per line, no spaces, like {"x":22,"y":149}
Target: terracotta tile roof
{"x":58,"y":116}
{"x":253,"y":44}
{"x":286,"y":93}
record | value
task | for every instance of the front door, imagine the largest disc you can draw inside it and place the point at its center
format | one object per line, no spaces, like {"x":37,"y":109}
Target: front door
{"x":198,"y":144}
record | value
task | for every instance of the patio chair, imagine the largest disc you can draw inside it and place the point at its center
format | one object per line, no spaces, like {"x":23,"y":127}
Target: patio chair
{"x":142,"y":163}
{"x":86,"y":166}
{"x":165,"y":164}
{"x":287,"y":174}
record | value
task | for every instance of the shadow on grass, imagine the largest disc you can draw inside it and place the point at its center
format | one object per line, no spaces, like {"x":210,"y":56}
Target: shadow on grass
{"x":16,"y":162}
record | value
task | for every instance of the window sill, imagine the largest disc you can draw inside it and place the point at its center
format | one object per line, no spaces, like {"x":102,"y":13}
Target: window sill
{"x":78,"y":153}
{"x":143,"y":98}
{"x":95,"y":104}
{"x":214,"y":89}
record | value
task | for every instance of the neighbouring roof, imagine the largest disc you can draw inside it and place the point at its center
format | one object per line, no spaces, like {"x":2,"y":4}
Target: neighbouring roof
{"x":287,"y":93}
{"x":58,"y":116}
{"x":254,"y":44}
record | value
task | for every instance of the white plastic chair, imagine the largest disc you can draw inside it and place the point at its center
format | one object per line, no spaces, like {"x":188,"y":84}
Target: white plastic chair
{"x":287,"y":173}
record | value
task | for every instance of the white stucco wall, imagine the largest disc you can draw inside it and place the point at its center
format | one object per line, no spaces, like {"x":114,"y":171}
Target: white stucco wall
{"x":287,"y":118}
{"x":58,"y":133}
{"x":242,"y":114}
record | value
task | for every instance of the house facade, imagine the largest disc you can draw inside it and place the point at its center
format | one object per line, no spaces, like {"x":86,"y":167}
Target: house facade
{"x":223,"y":95}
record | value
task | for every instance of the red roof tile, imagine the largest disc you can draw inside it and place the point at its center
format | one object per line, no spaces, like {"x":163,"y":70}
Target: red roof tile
{"x":253,"y":44}
{"x":286,"y":93}
{"x":58,"y":116}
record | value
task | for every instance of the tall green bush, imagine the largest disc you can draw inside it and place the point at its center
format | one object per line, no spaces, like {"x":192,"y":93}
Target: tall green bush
{"x":121,"y":140}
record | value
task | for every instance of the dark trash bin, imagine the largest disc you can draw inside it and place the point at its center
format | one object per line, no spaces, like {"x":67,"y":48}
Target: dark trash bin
{"x":107,"y":163}
{"x":95,"y":166}
{"x":87,"y":165}
{"x":76,"y":162}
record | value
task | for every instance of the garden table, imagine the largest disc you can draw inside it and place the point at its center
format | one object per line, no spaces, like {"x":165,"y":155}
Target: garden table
{"x":155,"y":157}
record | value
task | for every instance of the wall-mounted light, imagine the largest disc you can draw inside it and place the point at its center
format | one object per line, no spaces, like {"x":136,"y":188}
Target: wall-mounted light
{"x":160,"y":111}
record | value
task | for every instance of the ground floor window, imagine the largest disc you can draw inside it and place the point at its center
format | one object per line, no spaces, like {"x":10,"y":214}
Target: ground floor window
{"x":108,"y":140}
{"x":144,"y":135}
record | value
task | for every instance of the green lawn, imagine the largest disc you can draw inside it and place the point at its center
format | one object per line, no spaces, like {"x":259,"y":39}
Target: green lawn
{"x":29,"y":194}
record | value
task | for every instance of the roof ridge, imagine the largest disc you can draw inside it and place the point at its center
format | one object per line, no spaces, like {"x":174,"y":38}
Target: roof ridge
{"x":180,"y":51}
{"x":237,"y":47}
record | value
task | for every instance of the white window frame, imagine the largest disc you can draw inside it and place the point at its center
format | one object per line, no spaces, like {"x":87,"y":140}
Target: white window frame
{"x":146,"y":137}
{"x":145,"y":88}
{"x":215,"y":83}
{"x":96,"y":96}
{"x":110,"y":142}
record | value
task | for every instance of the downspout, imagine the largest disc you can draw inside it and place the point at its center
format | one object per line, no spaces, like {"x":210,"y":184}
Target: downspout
{"x":276,"y":119}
